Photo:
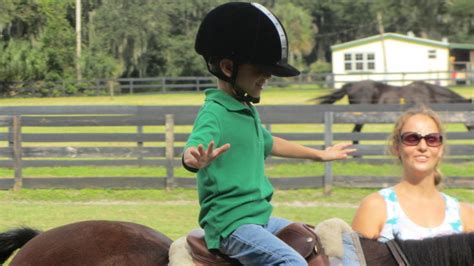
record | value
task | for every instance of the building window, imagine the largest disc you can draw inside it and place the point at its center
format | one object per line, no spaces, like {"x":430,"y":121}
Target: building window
{"x":359,"y":61}
{"x":432,"y":54}
{"x":370,"y":65}
{"x":370,"y":61}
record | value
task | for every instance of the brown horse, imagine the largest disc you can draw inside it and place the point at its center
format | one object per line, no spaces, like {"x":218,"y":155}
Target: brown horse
{"x":124,"y":243}
{"x":87,"y":243}
{"x":373,"y":92}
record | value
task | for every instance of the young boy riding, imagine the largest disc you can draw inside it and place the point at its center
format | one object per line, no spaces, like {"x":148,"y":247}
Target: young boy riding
{"x":243,"y":45}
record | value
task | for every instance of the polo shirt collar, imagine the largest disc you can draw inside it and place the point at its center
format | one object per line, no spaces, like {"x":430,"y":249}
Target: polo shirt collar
{"x":221,"y":97}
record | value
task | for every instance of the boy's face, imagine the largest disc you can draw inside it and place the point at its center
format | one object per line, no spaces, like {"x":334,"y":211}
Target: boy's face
{"x":252,"y":79}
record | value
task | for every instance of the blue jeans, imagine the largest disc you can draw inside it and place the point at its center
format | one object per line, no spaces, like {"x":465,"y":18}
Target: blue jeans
{"x":253,"y":244}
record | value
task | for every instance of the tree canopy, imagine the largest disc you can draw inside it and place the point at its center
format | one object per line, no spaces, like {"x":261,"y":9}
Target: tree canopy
{"x":147,"y":38}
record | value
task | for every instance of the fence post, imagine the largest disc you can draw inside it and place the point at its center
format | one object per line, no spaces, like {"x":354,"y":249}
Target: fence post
{"x":169,"y":138}
{"x":131,"y":90}
{"x":328,"y":175}
{"x":17,"y":160}
{"x":163,"y":84}
{"x":140,"y":144}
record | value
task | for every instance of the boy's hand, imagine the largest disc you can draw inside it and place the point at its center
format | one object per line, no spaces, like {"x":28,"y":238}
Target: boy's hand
{"x":337,"y":152}
{"x":199,"y":158}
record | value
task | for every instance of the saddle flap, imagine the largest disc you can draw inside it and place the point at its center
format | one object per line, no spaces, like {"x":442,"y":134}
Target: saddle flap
{"x":200,"y":253}
{"x":301,"y":238}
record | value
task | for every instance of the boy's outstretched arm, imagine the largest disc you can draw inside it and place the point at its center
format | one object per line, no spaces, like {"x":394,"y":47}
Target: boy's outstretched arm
{"x":285,"y":148}
{"x":197,"y":158}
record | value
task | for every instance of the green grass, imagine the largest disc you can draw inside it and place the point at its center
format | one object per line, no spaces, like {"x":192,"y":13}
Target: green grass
{"x":171,"y":212}
{"x":279,"y":170}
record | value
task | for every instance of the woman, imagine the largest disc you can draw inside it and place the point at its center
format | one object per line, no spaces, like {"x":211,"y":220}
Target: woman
{"x":414,"y":208}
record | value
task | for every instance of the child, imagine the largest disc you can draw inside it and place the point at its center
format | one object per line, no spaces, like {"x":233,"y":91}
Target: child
{"x":243,"y":44}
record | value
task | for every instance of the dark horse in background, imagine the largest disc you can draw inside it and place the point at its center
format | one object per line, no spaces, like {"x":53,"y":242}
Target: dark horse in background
{"x":124,"y":243}
{"x":373,"y":92}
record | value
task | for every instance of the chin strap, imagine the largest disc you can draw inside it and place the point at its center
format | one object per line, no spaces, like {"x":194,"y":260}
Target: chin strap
{"x":243,"y":96}
{"x":239,"y":93}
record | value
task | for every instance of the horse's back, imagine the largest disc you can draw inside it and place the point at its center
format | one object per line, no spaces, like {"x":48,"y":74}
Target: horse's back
{"x":96,"y":243}
{"x":435,"y":93}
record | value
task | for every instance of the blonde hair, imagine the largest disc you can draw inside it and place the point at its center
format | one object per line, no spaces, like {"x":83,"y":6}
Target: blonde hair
{"x":394,"y":140}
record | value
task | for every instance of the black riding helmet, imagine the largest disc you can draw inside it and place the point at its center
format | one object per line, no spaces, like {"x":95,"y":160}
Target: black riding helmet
{"x":244,"y":33}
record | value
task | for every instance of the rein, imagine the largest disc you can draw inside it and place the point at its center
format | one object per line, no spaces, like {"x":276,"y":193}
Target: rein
{"x":397,"y":253}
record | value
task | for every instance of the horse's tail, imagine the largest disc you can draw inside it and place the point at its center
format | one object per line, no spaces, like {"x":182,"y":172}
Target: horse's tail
{"x":14,"y":239}
{"x":336,"y":95}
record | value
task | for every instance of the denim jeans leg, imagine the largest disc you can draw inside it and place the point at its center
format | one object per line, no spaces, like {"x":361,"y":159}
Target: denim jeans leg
{"x":253,"y":244}
{"x":275,"y":224}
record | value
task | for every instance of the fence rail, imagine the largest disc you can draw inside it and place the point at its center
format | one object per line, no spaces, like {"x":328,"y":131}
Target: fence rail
{"x":25,"y":146}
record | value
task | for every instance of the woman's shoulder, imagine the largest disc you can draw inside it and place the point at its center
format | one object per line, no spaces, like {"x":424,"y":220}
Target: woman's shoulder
{"x":370,"y":216}
{"x":467,"y":216}
{"x":373,"y":200}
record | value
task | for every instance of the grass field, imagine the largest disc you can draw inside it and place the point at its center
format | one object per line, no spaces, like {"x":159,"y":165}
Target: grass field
{"x":277,"y":170}
{"x":175,"y":212}
{"x":171,"y":212}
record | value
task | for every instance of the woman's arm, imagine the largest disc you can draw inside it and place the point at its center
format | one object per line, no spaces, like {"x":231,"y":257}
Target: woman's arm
{"x":370,"y":217}
{"x":285,"y":148}
{"x":467,"y":217}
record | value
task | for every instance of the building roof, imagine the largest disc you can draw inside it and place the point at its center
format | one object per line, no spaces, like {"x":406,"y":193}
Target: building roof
{"x":463,"y":46}
{"x":405,"y":38}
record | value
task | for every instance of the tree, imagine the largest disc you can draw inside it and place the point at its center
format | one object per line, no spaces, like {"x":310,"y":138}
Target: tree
{"x":300,"y":31}
{"x":336,"y":21}
{"x":132,"y":32}
{"x":58,"y":40}
{"x":181,"y":59}
{"x":20,"y":61}
{"x":460,"y":21}
{"x":422,"y":17}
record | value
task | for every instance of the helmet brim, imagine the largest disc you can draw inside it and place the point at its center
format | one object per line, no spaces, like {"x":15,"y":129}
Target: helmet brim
{"x":281,"y":70}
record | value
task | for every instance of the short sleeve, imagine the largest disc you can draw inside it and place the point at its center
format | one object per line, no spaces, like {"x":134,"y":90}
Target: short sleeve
{"x":206,"y":128}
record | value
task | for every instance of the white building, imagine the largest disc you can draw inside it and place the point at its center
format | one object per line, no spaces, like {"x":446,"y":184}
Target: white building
{"x":399,"y":59}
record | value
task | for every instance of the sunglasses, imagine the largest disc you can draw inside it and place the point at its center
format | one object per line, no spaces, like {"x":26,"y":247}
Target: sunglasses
{"x":413,"y":138}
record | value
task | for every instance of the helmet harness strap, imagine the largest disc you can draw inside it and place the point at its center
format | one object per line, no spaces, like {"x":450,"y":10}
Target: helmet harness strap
{"x":240,"y":94}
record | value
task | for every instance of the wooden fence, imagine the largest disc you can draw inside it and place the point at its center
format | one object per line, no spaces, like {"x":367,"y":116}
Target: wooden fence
{"x":24,"y":144}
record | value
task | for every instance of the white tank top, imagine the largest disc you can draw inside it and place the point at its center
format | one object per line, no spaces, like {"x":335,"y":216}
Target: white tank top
{"x":398,"y":224}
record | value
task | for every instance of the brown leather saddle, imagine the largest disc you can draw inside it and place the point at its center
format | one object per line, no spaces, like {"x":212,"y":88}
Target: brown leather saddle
{"x":379,"y":253}
{"x":299,"y":236}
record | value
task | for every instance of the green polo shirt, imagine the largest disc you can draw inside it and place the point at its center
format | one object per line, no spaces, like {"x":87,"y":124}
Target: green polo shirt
{"x":233,"y":190}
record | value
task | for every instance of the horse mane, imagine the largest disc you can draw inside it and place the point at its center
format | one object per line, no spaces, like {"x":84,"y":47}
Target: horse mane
{"x":14,"y":239}
{"x":456,"y":249}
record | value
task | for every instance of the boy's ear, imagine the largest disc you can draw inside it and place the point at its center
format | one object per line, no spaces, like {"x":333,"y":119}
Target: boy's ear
{"x":226,"y":66}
